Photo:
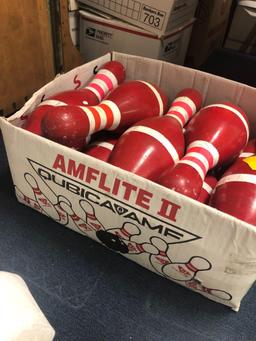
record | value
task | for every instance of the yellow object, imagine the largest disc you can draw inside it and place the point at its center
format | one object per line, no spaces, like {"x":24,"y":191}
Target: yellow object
{"x":251,"y":161}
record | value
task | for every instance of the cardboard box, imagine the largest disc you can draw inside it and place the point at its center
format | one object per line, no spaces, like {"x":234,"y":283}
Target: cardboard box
{"x":99,"y":35}
{"x":211,"y":252}
{"x":242,"y":33}
{"x":72,"y":5}
{"x":156,"y":17}
{"x":73,"y":18}
{"x":208,"y":31}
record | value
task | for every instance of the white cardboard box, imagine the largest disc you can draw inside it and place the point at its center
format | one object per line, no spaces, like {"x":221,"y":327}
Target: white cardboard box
{"x":99,"y":35}
{"x":157,"y":17}
{"x":213,"y":253}
{"x":242,"y":32}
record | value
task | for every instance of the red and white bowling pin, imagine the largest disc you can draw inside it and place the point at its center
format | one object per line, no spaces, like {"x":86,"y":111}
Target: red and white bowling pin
{"x":208,"y":186}
{"x":186,"y":271}
{"x":100,"y":149}
{"x":45,"y":204}
{"x":159,"y":257}
{"x":235,"y":192}
{"x":90,"y":216}
{"x":153,"y":144}
{"x":216,"y":134}
{"x":108,"y":77}
{"x":196,"y":285}
{"x":24,"y":199}
{"x":127,"y":104}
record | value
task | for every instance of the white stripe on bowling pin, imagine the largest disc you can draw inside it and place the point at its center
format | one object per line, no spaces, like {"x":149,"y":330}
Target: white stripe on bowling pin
{"x":207,"y":188}
{"x":158,"y":97}
{"x":105,"y":115}
{"x":107,"y":145}
{"x":91,"y":219}
{"x":202,"y":156}
{"x":186,"y":271}
{"x":248,"y":178}
{"x":161,"y":258}
{"x":45,"y":204}
{"x":245,"y":155}
{"x":182,"y":109}
{"x":52,"y":102}
{"x":103,"y":82}
{"x":158,"y":137}
{"x":235,"y":111}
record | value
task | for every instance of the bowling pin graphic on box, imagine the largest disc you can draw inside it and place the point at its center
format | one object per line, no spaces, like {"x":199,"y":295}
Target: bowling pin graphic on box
{"x":125,"y":105}
{"x":215,"y":135}
{"x":156,"y":143}
{"x":108,"y":77}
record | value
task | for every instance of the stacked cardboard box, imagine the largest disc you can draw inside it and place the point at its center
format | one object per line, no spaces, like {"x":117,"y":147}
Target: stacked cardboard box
{"x":208,"y":31}
{"x":242,"y":33}
{"x":137,"y":28}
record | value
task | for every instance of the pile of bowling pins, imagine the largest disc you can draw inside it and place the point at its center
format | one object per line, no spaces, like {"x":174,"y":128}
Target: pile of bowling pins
{"x":200,"y":152}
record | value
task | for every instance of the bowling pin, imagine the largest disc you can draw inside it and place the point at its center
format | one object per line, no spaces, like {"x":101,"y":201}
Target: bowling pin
{"x":63,"y":216}
{"x":216,"y":134}
{"x":186,"y":271}
{"x":91,"y":219}
{"x":127,"y":231}
{"x":75,"y":222}
{"x":159,"y":258}
{"x":127,"y":104}
{"x":235,"y":192}
{"x":196,"y":285}
{"x":24,"y":199}
{"x":207,"y":189}
{"x":125,"y":234}
{"x":44,"y":203}
{"x":108,"y":77}
{"x":154,"y":144}
{"x":100,"y":149}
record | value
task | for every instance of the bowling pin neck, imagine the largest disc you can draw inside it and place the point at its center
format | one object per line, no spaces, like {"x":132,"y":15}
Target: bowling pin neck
{"x":182,"y":109}
{"x":103,"y":83}
{"x":201,"y":156}
{"x":106,"y":115}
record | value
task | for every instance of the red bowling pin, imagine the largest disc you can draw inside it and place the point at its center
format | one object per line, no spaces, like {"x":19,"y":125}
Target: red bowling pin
{"x":216,"y":134}
{"x":100,"y":149}
{"x":127,"y":104}
{"x":235,"y":192}
{"x":109,"y":76}
{"x":153,"y":144}
{"x":208,"y":186}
